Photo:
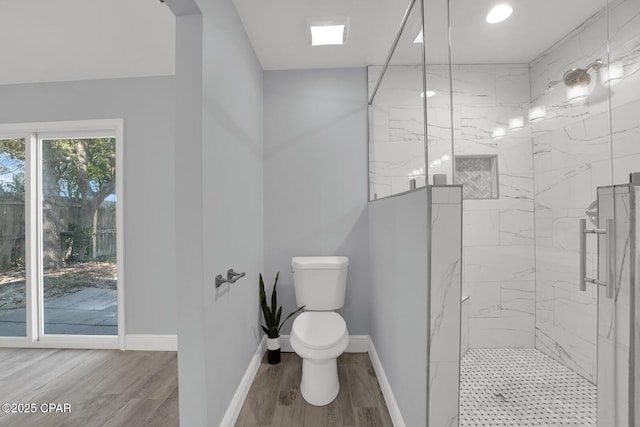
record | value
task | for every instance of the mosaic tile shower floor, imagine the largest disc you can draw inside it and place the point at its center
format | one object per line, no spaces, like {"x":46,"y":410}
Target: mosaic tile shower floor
{"x":522,"y":387}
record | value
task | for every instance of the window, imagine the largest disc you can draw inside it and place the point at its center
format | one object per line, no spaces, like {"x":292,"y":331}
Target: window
{"x":59,"y":187}
{"x":478,"y":176}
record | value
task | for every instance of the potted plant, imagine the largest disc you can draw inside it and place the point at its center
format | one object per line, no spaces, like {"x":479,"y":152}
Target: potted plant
{"x":272,"y":322}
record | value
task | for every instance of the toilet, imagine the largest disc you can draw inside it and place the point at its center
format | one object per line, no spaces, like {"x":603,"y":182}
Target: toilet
{"x":319,"y":334}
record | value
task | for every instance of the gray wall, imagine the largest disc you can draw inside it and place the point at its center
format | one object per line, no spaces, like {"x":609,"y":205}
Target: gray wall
{"x":145,"y":104}
{"x":189,"y":218}
{"x":315,"y":179}
{"x":228,"y":215}
{"x":398,"y":250}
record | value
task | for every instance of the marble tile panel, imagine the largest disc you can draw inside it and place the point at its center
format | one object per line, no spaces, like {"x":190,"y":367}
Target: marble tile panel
{"x":443,"y":403}
{"x":517,"y":227}
{"x":512,"y":84}
{"x":406,"y":124}
{"x":542,"y":143}
{"x":623,"y":166}
{"x":502,"y":299}
{"x":516,"y":332}
{"x":574,"y":352}
{"x":576,"y":312}
{"x":477,"y":121}
{"x":565,"y":188}
{"x":565,"y":226}
{"x":464,"y":328}
{"x":515,"y":155}
{"x":514,"y":187}
{"x":484,"y":300}
{"x":613,"y":383}
{"x":474,"y":84}
{"x":581,"y":142}
{"x":445,"y":279}
{"x":499,"y":263}
{"x":481,"y":228}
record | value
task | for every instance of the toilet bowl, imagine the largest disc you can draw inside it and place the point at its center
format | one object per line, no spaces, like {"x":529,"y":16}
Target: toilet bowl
{"x":319,"y":335}
{"x":319,"y":338}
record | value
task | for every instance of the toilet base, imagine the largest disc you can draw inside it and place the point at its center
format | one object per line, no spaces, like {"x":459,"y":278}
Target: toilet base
{"x":319,"y":385}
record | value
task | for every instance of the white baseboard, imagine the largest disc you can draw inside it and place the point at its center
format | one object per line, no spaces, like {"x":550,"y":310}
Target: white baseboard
{"x":387,"y":393}
{"x":357,"y":344}
{"x":233,"y":410}
{"x":139,"y":342}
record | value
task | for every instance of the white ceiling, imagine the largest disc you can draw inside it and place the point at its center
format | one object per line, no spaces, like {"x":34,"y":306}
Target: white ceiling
{"x":276,"y":29}
{"x":45,"y":40}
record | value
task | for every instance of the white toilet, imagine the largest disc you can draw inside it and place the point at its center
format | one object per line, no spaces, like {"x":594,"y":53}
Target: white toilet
{"x":319,"y":334}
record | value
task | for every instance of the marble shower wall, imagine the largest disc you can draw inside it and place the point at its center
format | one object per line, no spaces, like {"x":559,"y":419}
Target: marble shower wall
{"x":414,"y":240}
{"x":498,"y":247}
{"x":445,"y":221}
{"x":396,"y":131}
{"x":575,"y":147}
{"x":498,"y":234}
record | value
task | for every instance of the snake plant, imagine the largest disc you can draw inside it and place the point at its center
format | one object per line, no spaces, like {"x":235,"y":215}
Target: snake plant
{"x":272,"y":314}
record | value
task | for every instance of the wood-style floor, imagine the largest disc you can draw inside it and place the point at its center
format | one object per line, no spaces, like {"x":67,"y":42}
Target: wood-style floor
{"x":102,"y":387}
{"x":275,"y":400}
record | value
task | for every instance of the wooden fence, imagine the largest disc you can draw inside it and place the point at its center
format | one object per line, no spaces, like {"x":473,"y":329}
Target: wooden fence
{"x":12,"y":229}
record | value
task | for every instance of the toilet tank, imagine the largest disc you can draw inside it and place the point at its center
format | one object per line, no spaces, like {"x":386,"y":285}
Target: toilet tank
{"x":320,"y":282}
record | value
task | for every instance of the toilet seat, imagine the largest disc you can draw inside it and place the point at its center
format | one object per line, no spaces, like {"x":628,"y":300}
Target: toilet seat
{"x":319,"y":330}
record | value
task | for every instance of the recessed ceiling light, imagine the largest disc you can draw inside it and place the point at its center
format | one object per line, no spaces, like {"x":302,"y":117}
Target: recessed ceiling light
{"x":418,"y":38}
{"x":327,"y":35}
{"x":499,"y":13}
{"x":430,"y":93}
{"x":328,"y":30}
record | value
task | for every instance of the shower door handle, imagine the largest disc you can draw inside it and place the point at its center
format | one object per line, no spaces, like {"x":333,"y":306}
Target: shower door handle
{"x":608,"y":231}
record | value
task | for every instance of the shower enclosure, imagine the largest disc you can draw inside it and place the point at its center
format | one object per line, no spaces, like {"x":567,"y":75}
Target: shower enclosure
{"x":537,"y":118}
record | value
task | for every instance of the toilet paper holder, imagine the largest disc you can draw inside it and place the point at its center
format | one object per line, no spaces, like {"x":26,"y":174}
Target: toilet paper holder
{"x":232,"y":277}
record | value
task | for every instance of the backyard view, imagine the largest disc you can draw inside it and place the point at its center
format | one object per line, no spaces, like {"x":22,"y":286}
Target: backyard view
{"x":78,"y":228}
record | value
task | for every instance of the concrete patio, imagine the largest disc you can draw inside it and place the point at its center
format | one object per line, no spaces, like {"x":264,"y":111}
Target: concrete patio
{"x":90,"y":311}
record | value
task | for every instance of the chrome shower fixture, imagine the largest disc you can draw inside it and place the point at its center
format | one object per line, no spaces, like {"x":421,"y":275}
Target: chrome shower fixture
{"x":580,"y":76}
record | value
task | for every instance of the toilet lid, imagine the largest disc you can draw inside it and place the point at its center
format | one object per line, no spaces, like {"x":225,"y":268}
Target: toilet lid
{"x":319,"y":329}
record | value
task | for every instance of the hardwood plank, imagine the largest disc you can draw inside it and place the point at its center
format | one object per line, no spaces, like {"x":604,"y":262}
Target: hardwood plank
{"x":314,"y":416}
{"x":260,"y":409}
{"x":104,"y":387}
{"x":368,"y":417}
{"x":167,"y":415}
{"x":359,"y":374}
{"x":291,"y":410}
{"x":344,"y":396}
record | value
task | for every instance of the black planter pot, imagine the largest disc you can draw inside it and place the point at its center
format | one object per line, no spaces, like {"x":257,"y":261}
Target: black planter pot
{"x":273,"y":351}
{"x":273,"y":357}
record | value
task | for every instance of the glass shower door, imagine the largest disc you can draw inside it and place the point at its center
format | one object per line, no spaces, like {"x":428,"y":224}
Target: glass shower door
{"x":615,"y":264}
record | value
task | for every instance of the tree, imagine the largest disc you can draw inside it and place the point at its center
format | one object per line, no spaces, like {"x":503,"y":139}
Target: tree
{"x":78,"y":171}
